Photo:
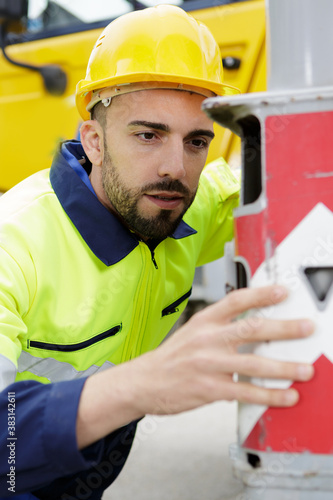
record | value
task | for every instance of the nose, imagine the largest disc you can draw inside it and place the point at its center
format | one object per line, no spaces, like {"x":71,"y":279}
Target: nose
{"x":172,"y":161}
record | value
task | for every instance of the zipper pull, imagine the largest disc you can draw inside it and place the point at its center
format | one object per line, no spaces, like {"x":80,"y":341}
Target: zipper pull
{"x":153,"y":258}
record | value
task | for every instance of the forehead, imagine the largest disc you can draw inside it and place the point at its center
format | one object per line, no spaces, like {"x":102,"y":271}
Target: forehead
{"x":167,"y":106}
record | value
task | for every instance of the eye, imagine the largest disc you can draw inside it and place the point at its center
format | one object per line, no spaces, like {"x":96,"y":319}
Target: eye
{"x":199,"y":143}
{"x":146,"y":136}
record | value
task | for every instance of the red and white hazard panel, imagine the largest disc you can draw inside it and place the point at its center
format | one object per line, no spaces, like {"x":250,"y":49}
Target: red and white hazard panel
{"x":290,"y":241}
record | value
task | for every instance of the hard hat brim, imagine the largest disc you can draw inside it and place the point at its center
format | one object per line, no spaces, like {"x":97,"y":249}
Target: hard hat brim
{"x":84,"y":93}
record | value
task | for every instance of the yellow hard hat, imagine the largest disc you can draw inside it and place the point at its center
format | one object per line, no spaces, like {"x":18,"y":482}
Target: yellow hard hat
{"x":163,"y":45}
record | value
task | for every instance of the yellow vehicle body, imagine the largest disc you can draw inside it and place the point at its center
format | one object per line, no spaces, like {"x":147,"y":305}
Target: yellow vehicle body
{"x":33,"y":122}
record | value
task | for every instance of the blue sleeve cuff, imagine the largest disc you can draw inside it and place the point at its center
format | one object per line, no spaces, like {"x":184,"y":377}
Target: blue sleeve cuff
{"x":45,"y":432}
{"x":60,"y":430}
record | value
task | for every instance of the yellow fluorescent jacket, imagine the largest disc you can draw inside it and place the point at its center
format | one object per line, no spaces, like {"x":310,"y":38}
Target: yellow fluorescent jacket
{"x":78,"y":291}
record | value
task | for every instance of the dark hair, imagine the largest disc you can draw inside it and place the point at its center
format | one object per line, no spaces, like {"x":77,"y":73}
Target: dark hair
{"x":98,"y":113}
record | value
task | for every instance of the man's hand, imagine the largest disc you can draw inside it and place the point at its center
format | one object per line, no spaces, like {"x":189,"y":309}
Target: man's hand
{"x":196,"y":365}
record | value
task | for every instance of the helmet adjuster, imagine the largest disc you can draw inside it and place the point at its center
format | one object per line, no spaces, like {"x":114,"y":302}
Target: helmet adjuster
{"x":107,"y":101}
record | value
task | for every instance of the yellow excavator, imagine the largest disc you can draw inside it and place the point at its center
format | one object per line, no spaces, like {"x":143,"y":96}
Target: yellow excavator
{"x":45,"y":46}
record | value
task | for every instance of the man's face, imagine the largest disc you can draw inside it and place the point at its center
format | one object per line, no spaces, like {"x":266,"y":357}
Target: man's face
{"x":155,"y":147}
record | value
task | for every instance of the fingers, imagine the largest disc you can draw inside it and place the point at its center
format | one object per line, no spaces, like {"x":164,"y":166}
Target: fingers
{"x":209,"y":348}
{"x":251,"y":394}
{"x":222,"y":385}
{"x":260,"y":329}
{"x":256,"y":366}
{"x":240,"y":301}
{"x":253,"y":328}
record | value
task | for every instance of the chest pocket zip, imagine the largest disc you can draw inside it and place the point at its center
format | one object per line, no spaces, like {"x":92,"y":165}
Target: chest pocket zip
{"x":74,"y":347}
{"x":172,"y":308}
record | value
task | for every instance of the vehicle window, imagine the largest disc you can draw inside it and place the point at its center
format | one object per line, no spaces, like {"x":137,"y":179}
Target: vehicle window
{"x":51,"y":14}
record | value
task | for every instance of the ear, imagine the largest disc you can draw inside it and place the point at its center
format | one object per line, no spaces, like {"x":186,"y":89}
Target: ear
{"x":91,"y":134}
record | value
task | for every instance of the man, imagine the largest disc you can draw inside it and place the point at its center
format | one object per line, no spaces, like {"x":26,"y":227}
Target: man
{"x":97,"y":260}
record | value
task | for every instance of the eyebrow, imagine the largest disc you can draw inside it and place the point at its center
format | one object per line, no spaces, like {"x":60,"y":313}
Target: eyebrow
{"x":166,"y":128}
{"x":200,"y":131}
{"x":155,"y":125}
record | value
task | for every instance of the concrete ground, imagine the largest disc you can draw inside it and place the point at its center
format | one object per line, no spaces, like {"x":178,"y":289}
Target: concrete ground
{"x":181,"y":457}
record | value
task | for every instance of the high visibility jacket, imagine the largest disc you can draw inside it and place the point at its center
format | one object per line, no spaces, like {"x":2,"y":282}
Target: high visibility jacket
{"x":79,"y":292}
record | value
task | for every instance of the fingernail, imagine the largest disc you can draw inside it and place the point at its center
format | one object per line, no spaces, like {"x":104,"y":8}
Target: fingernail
{"x":279,"y":292}
{"x":307,"y":326}
{"x":291,"y":397}
{"x":305,"y":372}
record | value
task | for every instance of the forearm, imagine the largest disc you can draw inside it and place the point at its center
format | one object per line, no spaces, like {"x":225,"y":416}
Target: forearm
{"x":108,"y":401}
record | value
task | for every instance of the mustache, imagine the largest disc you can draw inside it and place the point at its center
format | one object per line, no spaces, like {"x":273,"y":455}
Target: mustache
{"x":167,"y":185}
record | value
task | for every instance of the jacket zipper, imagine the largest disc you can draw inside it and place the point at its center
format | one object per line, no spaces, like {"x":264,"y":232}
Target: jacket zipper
{"x":153,"y":258}
{"x":172,"y":308}
{"x":74,"y":347}
{"x":141,"y":307}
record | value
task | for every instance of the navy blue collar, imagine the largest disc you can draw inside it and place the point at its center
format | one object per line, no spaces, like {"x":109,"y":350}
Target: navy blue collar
{"x":105,"y":235}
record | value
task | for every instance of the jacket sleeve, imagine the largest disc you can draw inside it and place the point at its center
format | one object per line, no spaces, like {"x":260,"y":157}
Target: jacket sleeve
{"x":37,"y":421}
{"x":38,"y":435}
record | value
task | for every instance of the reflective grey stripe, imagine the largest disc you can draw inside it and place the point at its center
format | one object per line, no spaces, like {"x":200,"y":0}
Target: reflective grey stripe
{"x":7,"y":372}
{"x":53,"y":370}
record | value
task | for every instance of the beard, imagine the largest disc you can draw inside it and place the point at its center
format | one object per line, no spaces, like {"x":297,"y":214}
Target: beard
{"x":125,"y":202}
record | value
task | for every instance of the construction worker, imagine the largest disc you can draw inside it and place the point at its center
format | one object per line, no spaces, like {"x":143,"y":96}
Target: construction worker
{"x":97,"y":259}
